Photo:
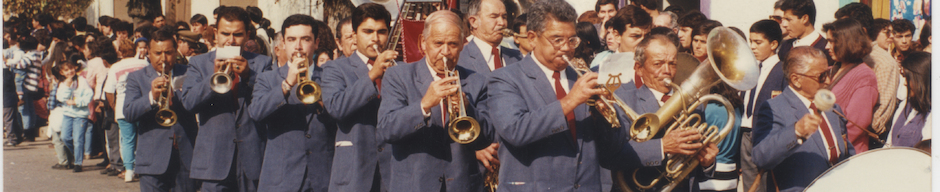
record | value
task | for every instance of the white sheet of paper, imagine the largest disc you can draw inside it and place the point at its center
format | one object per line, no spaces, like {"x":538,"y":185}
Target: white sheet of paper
{"x":228,"y":52}
{"x":617,"y":65}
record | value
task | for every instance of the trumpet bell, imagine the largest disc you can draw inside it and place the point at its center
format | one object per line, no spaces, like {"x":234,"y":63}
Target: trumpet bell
{"x":308,"y":92}
{"x":166,"y":117}
{"x":221,"y":83}
{"x":464,"y":130}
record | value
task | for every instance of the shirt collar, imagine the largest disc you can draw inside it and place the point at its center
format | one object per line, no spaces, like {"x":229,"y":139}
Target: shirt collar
{"x":431,"y":70}
{"x":485,"y":48}
{"x":659,"y":95}
{"x":364,"y":59}
{"x":806,"y":102}
{"x":549,"y":72}
{"x":807,"y":41}
{"x":770,"y":62}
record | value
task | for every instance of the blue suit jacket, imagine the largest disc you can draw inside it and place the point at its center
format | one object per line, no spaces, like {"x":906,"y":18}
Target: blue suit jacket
{"x":423,"y":155}
{"x":471,"y":58}
{"x":300,"y":137}
{"x":776,"y":81}
{"x":223,"y":121}
{"x":776,"y":148}
{"x":352,"y":99}
{"x":155,"y":142}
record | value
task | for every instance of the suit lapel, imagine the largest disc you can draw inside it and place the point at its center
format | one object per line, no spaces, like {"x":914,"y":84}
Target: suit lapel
{"x":474,"y":53}
{"x":359,"y":66}
{"x":648,"y":103}
{"x":800,"y":110}
{"x":422,"y":76}
{"x":542,"y":83}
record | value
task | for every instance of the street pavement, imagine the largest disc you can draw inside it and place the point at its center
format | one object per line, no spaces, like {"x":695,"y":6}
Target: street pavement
{"x":27,"y":167}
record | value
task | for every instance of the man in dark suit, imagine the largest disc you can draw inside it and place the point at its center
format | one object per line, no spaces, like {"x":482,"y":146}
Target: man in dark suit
{"x":656,"y":62}
{"x":483,"y":54}
{"x":414,"y":119}
{"x":299,"y":148}
{"x":792,"y":138}
{"x":799,"y":16}
{"x":165,"y":152}
{"x":228,"y":155}
{"x":351,"y":89}
{"x":765,"y":38}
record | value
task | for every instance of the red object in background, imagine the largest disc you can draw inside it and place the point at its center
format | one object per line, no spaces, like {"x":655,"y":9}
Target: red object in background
{"x":411,"y":29}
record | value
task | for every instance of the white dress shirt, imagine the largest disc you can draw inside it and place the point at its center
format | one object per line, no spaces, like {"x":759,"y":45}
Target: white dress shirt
{"x":548,"y":74}
{"x":487,"y":50}
{"x":806,"y":104}
{"x":767,"y":65}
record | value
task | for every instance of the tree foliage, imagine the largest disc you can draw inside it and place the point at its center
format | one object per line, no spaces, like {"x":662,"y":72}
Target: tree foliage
{"x":55,"y":8}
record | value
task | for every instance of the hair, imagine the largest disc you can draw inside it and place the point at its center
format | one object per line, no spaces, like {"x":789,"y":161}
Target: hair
{"x":199,"y":18}
{"x":649,"y":4}
{"x":732,"y":95}
{"x":28,"y":43}
{"x":798,"y":57}
{"x":320,"y":50}
{"x":78,"y":40}
{"x":43,"y":38}
{"x":71,"y":58}
{"x":640,"y":55}
{"x":917,"y":73}
{"x":145,"y":30}
{"x":104,"y":21}
{"x":692,"y":19}
{"x":444,"y":16}
{"x":673,"y":37}
{"x":736,"y":30}
{"x":79,"y":23}
{"x":770,"y":29}
{"x":597,"y":6}
{"x":122,"y":26}
{"x":154,"y":18}
{"x":633,"y":16}
{"x":233,"y":14}
{"x":589,"y":16}
{"x":778,"y":4}
{"x":43,"y":19}
{"x":876,"y":26}
{"x":104,"y":48}
{"x":59,"y":34}
{"x":542,"y":11}
{"x":324,"y":36}
{"x":590,"y":43}
{"x":673,"y":19}
{"x":127,"y":48}
{"x":339,"y":27}
{"x":850,"y":42}
{"x":182,"y":25}
{"x":301,"y":19}
{"x":209,"y":35}
{"x":519,"y":22}
{"x":705,"y":27}
{"x":218,"y":9}
{"x":902,"y":25}
{"x":858,"y":11}
{"x":801,"y":8}
{"x":370,"y":10}
{"x":254,"y":13}
{"x":277,"y":39}
{"x":674,"y":9}
{"x":924,"y":38}
{"x":474,"y":7}
{"x":163,"y":35}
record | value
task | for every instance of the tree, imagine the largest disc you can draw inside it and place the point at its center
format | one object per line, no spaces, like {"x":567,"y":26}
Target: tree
{"x":55,"y":8}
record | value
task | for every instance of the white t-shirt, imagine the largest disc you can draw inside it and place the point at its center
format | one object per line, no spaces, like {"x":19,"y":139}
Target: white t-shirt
{"x":117,"y":81}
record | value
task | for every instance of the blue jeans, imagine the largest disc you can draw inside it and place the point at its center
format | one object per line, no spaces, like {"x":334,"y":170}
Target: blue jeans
{"x":73,"y":135}
{"x":88,"y":127}
{"x":128,"y":143}
{"x":26,"y":111}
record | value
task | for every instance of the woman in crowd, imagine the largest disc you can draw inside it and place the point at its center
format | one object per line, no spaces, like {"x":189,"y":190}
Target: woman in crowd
{"x":724,"y":178}
{"x":590,"y":44}
{"x":912,"y":119}
{"x":75,"y":92}
{"x":853,"y":82}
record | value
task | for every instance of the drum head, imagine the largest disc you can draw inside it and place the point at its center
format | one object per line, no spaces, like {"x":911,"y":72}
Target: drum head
{"x":886,"y":169}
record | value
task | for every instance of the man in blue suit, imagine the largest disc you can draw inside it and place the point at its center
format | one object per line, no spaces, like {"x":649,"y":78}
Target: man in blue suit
{"x":228,"y":155}
{"x":299,"y":148}
{"x":414,"y":119}
{"x":483,"y":54}
{"x":165,"y":152}
{"x":765,"y":38}
{"x":792,"y":138}
{"x":351,"y":89}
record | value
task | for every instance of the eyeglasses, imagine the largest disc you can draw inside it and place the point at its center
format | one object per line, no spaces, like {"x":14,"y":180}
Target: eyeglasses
{"x":822,"y":77}
{"x":557,"y":42}
{"x":776,"y":18}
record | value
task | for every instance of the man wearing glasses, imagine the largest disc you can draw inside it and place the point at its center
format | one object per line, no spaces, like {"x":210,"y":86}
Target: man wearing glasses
{"x":792,"y":137}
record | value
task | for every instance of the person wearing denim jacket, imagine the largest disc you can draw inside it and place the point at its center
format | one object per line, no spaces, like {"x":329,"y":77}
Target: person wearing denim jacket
{"x":76,"y":95}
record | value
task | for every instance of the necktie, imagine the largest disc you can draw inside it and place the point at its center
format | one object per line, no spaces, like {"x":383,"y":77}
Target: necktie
{"x":560,"y":93}
{"x":750,"y":98}
{"x":444,"y":105}
{"x":827,"y":135}
{"x":665,"y":98}
{"x":378,"y":81}
{"x":498,"y":60}
{"x":637,"y":81}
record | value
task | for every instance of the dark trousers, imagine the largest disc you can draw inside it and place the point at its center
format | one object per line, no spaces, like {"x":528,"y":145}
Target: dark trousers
{"x":749,"y":170}
{"x":12,"y":126}
{"x":176,"y":178}
{"x":237,"y":180}
{"x":112,"y":134}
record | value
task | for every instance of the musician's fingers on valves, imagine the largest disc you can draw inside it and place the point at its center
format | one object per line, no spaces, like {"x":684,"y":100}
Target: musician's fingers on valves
{"x":438,"y":90}
{"x":684,"y":142}
{"x":585,"y":87}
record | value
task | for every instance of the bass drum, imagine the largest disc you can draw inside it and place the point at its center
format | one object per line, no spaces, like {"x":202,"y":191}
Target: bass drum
{"x":886,"y":169}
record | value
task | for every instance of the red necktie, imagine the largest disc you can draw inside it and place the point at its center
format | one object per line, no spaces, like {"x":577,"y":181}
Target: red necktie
{"x":827,"y":135}
{"x":637,"y":81}
{"x":560,"y":93}
{"x":665,"y":98}
{"x":444,"y":106}
{"x":377,"y":81}
{"x":498,"y":63}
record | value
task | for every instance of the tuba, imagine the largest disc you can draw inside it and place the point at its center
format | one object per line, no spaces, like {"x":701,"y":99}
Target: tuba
{"x":221,"y":81}
{"x":307,"y":91}
{"x":462,"y":129}
{"x":165,"y":117}
{"x":608,"y":99}
{"x":730,"y":61}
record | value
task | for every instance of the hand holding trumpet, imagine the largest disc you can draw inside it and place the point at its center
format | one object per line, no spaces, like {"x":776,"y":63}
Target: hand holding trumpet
{"x":238,"y":65}
{"x":298,"y":64}
{"x":383,"y":61}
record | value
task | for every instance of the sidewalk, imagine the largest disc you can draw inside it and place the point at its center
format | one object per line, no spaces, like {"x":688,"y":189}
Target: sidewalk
{"x":27,"y":167}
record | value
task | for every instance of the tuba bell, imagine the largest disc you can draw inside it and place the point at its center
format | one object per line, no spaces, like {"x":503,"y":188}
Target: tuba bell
{"x":221,"y":81}
{"x":165,"y":116}
{"x":308,"y":91}
{"x":462,"y":129}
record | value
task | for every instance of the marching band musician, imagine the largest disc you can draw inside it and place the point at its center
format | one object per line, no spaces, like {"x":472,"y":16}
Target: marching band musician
{"x":166,"y":152}
{"x":791,"y":138}
{"x":413,"y":117}
{"x":228,"y":155}
{"x":351,"y":88}
{"x":299,"y":148}
{"x":483,"y":54}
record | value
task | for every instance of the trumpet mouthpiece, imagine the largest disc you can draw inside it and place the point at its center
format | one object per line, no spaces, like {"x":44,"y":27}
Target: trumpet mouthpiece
{"x":506,"y":32}
{"x":376,"y":47}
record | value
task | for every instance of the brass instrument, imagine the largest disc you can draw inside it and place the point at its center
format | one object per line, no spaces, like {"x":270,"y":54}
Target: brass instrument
{"x":608,"y":99}
{"x":730,"y":61}
{"x":491,"y":179}
{"x":461,"y":128}
{"x":221,"y":81}
{"x":507,"y":32}
{"x":165,"y":116}
{"x":308,"y":91}
{"x":392,"y":61}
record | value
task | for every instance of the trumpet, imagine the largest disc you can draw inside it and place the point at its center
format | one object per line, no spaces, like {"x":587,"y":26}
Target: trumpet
{"x":506,"y":32}
{"x":376,"y":47}
{"x":462,"y":129}
{"x":221,"y":81}
{"x":165,"y":116}
{"x":608,"y":99}
{"x":308,"y":91}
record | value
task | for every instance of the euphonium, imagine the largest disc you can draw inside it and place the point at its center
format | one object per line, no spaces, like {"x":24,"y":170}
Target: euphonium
{"x":462,"y":129}
{"x":608,"y":99}
{"x":221,"y":81}
{"x":308,"y":91}
{"x":165,"y":117}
